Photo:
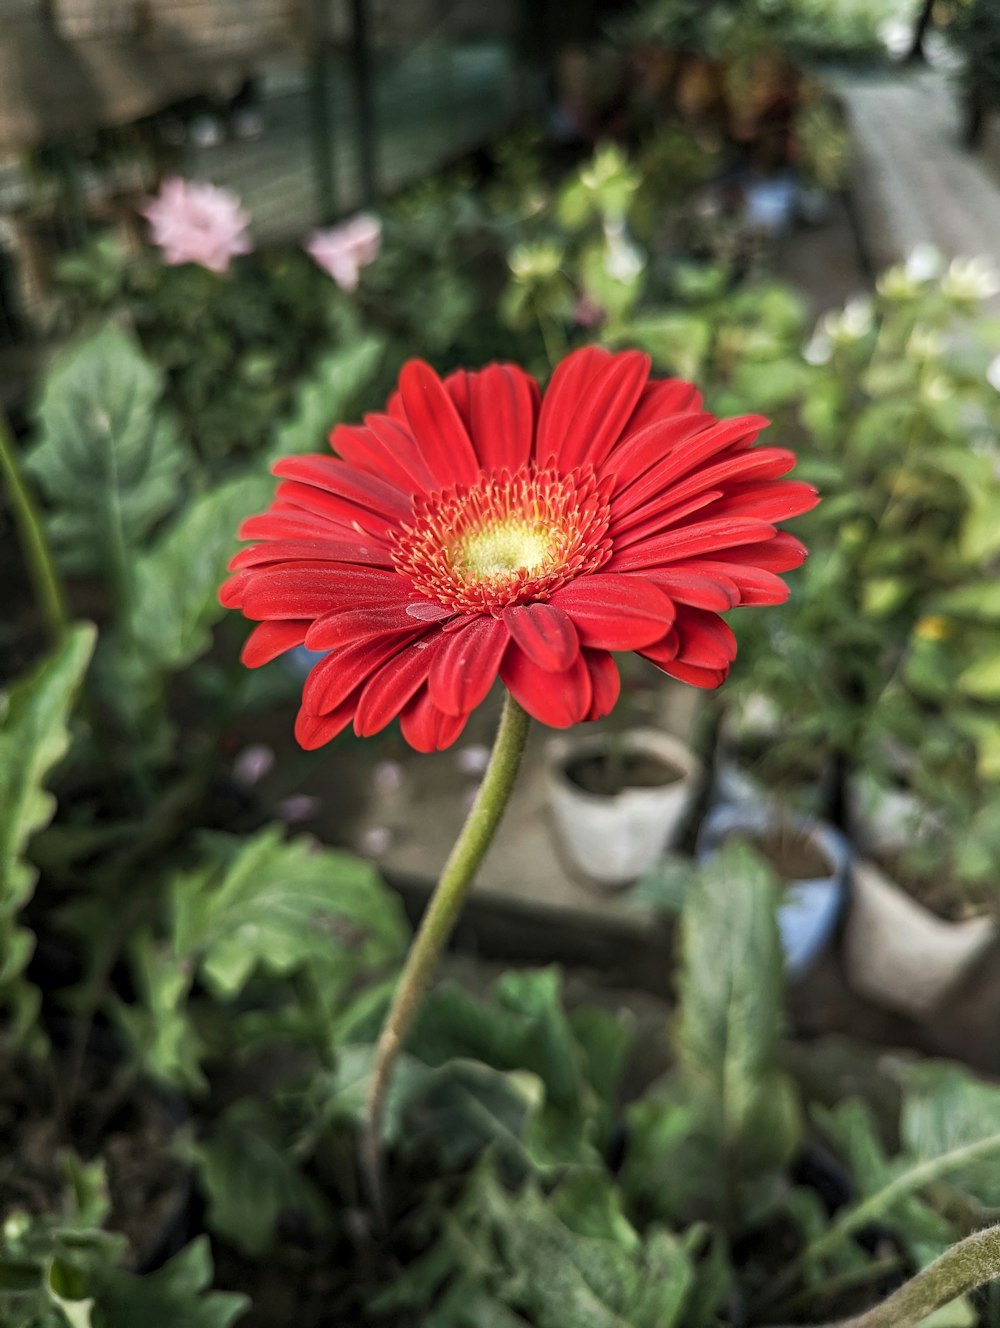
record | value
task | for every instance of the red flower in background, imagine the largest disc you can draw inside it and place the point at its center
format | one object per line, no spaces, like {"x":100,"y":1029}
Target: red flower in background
{"x":476,"y":531}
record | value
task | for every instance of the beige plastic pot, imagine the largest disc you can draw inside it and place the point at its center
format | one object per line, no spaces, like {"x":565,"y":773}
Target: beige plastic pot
{"x":898,"y":953}
{"x":613,"y":840}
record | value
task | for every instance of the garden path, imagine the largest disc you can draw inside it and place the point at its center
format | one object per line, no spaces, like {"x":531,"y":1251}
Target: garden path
{"x":913,"y":180}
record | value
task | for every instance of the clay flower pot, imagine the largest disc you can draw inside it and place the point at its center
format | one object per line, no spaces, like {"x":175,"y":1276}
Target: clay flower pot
{"x":815,"y":873}
{"x":612,"y":838}
{"x":898,"y":953}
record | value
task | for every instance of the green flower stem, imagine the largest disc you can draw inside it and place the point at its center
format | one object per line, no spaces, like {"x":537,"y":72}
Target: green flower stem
{"x":876,"y":1204}
{"x":441,"y":915}
{"x":967,"y":1265}
{"x":36,"y":550}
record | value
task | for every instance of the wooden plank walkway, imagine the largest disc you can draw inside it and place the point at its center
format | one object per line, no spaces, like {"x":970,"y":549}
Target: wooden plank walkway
{"x":913,"y":181}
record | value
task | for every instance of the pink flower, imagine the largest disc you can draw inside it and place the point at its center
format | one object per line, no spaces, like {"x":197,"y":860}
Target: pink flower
{"x":195,"y":222}
{"x":587,"y":312}
{"x":342,"y":251}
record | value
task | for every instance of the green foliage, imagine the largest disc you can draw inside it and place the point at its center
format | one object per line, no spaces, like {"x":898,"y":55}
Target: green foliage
{"x":732,"y":1117}
{"x":107,"y":457}
{"x":34,"y":718}
{"x":329,"y":396}
{"x":566,"y":1259}
{"x":259,"y":906}
{"x":250,"y":1175}
{"x":66,"y":1271}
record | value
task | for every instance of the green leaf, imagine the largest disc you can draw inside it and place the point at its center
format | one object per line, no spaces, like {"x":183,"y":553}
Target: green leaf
{"x":946,"y":1108}
{"x":177,"y":580}
{"x":328,"y":397}
{"x":175,"y":1296}
{"x":248,"y":1171}
{"x":107,"y":459}
{"x":263,"y":902}
{"x":33,"y":738}
{"x":731,"y":1001}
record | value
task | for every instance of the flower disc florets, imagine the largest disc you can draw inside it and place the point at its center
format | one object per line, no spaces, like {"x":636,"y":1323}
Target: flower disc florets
{"x":506,"y":540}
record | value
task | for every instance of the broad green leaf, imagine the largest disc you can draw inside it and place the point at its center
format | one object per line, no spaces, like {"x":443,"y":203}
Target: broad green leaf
{"x":248,"y":1171}
{"x":731,"y":1005}
{"x":175,"y":1296}
{"x":107,"y":459}
{"x":327,"y":398}
{"x":979,"y":600}
{"x":177,"y":580}
{"x":33,"y":737}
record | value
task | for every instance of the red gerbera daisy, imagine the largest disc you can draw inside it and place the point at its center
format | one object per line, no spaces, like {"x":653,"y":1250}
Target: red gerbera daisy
{"x":476,"y":531}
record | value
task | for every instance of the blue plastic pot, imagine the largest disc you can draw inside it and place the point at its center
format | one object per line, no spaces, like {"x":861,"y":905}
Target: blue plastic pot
{"x":810,"y":909}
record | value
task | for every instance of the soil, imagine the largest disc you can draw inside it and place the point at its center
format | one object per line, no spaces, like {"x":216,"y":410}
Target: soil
{"x":114,"y":1117}
{"x":791,"y":856}
{"x":604,"y":775}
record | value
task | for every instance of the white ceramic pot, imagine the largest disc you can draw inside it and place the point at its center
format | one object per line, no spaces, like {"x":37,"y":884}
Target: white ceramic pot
{"x":898,"y":953}
{"x":612,"y":841}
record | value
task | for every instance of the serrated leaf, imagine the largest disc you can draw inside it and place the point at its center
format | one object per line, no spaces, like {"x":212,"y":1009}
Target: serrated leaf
{"x":277,"y":905}
{"x":107,"y":459}
{"x":33,"y":738}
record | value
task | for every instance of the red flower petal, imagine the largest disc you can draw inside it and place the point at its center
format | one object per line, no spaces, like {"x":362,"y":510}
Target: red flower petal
{"x":588,"y":404}
{"x":312,"y":731}
{"x":360,"y":622}
{"x":428,"y":729}
{"x":668,"y":396}
{"x":704,"y":640}
{"x":696,"y":587}
{"x":311,"y":550}
{"x":545,"y":633}
{"x":356,"y":487}
{"x":342,"y":673}
{"x":556,"y":699}
{"x":615,"y":612}
{"x":437,"y":425}
{"x":271,"y":639}
{"x":778,"y":553}
{"x":388,"y":691}
{"x":466,"y":666}
{"x":311,"y":590}
{"x":688,"y":541}
{"x":503,"y":405}
{"x":769,"y":502}
{"x":395,"y":437}
{"x":650,"y":447}
{"x":340,"y":515}
{"x":605,"y":683}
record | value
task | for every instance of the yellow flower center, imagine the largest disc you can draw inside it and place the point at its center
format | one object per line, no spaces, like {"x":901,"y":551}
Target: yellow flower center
{"x":505,"y":539}
{"x":501,"y":546}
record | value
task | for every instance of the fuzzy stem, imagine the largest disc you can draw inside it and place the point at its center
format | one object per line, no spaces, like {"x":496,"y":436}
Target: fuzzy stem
{"x":440,"y":918}
{"x":967,"y":1265}
{"x":37,"y":554}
